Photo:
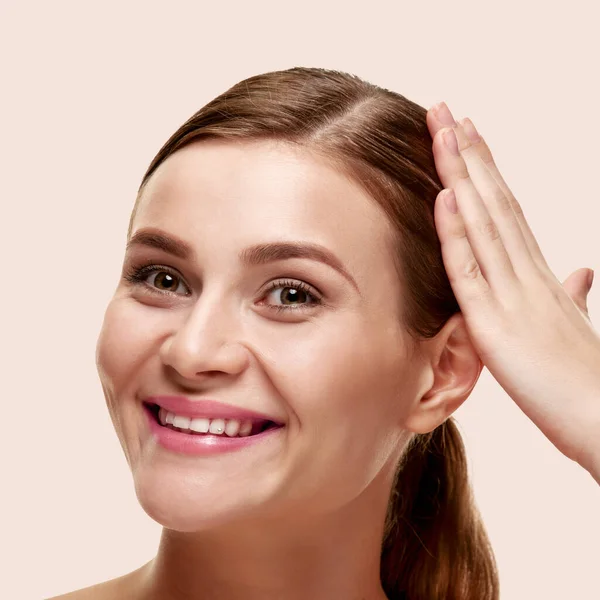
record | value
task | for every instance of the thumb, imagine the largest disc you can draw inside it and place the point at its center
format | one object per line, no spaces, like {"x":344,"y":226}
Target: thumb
{"x":578,"y":288}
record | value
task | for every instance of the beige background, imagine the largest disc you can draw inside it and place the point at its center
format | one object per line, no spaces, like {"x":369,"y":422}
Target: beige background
{"x":90,"y":91}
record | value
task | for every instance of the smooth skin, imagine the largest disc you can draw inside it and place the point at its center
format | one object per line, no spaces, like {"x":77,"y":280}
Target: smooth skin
{"x":507,"y":296}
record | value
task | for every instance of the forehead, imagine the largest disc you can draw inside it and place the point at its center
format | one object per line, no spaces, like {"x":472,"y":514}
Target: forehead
{"x":249,"y":192}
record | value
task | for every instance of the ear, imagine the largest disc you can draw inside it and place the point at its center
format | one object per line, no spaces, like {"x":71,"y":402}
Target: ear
{"x":452,"y":363}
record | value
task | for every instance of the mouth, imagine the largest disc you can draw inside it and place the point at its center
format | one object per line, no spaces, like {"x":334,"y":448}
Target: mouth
{"x":209,"y":427}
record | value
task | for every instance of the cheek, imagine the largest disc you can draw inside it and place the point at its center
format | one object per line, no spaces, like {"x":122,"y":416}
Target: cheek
{"x":338,"y":372}
{"x":126,"y":340}
{"x":343,"y":384}
{"x":123,"y":343}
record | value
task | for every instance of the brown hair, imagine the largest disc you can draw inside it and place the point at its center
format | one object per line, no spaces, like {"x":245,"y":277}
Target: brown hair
{"x":435,"y":546}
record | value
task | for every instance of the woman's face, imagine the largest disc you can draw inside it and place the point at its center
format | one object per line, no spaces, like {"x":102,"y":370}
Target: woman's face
{"x":330,"y":362}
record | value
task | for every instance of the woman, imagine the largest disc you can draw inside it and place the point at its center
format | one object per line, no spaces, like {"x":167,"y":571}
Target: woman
{"x":301,"y":310}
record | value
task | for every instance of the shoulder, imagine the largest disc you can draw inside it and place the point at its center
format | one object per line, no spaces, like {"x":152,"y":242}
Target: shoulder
{"x":121,"y":587}
{"x":99,"y":591}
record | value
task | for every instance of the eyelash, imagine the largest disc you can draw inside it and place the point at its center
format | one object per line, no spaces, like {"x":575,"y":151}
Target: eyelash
{"x":138,"y":276}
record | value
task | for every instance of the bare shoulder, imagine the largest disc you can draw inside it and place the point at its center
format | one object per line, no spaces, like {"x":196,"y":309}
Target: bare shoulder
{"x":100,"y":591}
{"x":120,"y":587}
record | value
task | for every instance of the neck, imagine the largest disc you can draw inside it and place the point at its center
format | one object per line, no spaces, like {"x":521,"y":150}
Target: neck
{"x":332,"y":556}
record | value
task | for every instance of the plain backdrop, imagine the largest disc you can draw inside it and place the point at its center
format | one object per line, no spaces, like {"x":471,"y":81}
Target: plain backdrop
{"x":89,"y":93}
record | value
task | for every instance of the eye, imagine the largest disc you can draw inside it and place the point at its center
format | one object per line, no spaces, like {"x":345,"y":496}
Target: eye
{"x":165,"y":278}
{"x":295,"y":292}
{"x":166,"y":281}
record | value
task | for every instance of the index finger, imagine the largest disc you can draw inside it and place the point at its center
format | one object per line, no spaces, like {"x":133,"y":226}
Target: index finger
{"x":438,"y":117}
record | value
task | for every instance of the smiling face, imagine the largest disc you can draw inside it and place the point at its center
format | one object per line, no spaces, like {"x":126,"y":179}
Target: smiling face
{"x":329,"y":359}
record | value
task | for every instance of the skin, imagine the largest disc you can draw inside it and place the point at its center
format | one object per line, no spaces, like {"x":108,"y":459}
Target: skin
{"x":533,"y":333}
{"x":303,"y":517}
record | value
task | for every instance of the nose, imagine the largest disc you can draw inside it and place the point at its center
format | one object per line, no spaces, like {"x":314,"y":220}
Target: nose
{"x":206,"y":342}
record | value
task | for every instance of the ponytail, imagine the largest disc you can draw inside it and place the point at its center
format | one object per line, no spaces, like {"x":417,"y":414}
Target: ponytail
{"x":435,"y":546}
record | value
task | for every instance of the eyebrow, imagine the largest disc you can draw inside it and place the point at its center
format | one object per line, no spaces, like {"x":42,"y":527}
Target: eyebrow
{"x":259,"y":254}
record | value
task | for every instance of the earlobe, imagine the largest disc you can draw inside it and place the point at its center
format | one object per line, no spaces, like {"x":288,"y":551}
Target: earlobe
{"x":453,"y":363}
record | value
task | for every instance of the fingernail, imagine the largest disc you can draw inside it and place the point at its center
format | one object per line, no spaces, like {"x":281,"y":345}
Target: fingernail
{"x":470,"y":129}
{"x":443,"y":114}
{"x":590,"y":279}
{"x":451,"y":141}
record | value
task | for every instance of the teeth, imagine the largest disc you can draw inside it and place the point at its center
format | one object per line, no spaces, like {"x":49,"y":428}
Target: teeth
{"x":217,"y":426}
{"x":181,"y":422}
{"x":246,"y":428}
{"x":200,"y":425}
{"x":230,"y":427}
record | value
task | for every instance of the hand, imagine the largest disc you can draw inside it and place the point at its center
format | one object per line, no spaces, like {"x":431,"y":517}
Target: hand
{"x":532,"y":333}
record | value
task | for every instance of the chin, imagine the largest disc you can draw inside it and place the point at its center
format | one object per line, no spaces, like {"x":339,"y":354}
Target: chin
{"x":172,"y":508}
{"x":178,"y":500}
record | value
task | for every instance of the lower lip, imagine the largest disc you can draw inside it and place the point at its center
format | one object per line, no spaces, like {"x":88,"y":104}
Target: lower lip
{"x":202,"y":444}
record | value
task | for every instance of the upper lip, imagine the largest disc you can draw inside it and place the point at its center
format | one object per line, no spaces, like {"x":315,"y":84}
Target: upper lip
{"x":211,"y":409}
